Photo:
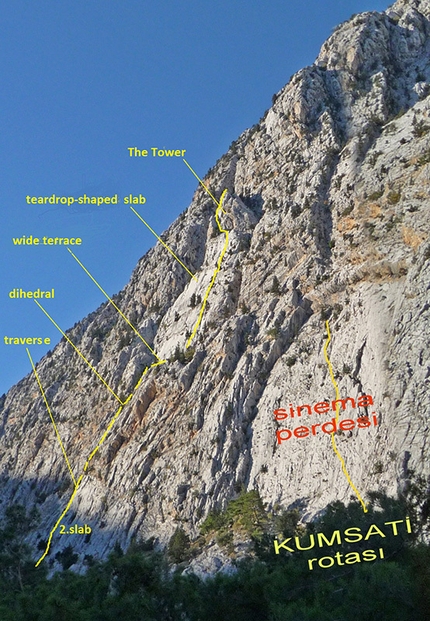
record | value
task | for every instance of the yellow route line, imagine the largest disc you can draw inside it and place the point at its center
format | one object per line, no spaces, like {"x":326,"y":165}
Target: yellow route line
{"x":162,"y":242}
{"x":217,"y":269}
{"x":113,"y":304}
{"x":155,"y":364}
{"x":112,"y":422}
{"x":77,"y":350}
{"x":92,"y":454}
{"x":52,"y":418}
{"x":337,"y":418}
{"x":201,"y":182}
{"x":51,"y":534}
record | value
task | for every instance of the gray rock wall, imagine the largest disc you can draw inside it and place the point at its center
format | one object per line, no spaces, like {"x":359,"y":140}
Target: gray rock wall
{"x":327,"y":213}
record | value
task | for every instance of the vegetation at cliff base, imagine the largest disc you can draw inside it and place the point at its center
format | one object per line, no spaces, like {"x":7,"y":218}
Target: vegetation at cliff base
{"x":140,"y":585}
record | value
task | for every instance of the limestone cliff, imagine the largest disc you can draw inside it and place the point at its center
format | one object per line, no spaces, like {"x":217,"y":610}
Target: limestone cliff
{"x":327,"y":214}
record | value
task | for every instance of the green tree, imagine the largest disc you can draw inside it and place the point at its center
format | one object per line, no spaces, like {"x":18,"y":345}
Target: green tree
{"x":67,"y":557}
{"x":179,"y":546}
{"x":16,"y":563}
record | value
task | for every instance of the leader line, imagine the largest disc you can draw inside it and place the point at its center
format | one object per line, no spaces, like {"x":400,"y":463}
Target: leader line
{"x":162,"y":242}
{"x":77,"y":351}
{"x":52,"y":418}
{"x":114,"y":305}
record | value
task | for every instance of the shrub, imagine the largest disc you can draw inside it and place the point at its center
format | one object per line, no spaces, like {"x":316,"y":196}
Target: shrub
{"x":393,"y":197}
{"x":378,"y":468}
{"x":420,"y":129}
{"x":177,"y":355}
{"x":425,"y":158}
{"x":275,"y":286}
{"x":375,"y":195}
{"x":273,"y":332}
{"x":326,"y":313}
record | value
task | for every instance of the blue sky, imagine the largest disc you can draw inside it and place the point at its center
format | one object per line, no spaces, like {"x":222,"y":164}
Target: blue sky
{"x":83,"y":81}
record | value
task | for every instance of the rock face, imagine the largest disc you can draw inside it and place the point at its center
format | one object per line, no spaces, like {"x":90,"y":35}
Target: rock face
{"x":327,"y":213}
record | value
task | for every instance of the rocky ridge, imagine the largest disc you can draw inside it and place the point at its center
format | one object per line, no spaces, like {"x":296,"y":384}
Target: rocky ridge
{"x":327,"y":213}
